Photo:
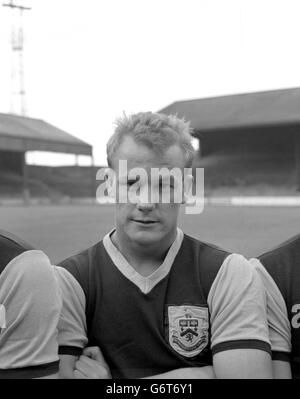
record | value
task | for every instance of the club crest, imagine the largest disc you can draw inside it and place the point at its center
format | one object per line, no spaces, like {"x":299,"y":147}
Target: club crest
{"x":188,"y":329}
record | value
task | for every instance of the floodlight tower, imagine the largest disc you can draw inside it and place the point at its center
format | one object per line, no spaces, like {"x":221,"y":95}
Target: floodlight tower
{"x":18,"y":94}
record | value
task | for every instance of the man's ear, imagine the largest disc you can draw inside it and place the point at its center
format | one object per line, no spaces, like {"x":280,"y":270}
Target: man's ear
{"x":187,"y":188}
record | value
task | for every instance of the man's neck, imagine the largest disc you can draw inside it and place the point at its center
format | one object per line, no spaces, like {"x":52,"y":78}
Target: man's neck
{"x":145,"y":259}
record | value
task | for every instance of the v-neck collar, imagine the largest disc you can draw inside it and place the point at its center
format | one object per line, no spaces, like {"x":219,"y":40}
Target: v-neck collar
{"x":145,"y":284}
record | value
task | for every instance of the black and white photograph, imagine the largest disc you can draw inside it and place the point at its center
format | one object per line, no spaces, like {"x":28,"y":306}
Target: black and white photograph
{"x":149,"y":192}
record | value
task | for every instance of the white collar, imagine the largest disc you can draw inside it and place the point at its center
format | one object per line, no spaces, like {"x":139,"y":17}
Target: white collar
{"x":145,"y":284}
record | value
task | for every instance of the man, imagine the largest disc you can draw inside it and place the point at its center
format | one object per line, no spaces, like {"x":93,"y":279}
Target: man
{"x":30,"y":306}
{"x":279,"y":270}
{"x":159,"y":303}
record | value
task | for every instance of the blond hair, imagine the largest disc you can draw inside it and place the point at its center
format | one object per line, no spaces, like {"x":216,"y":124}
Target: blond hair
{"x":156,"y":131}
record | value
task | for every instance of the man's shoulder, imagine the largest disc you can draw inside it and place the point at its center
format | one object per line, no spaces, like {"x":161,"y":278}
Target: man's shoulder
{"x":207,"y":257}
{"x":207,"y":252}
{"x":81,"y":266}
{"x":212,"y":259}
{"x":82,"y":260}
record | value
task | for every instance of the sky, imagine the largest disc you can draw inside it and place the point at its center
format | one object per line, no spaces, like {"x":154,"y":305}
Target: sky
{"x":87,"y":62}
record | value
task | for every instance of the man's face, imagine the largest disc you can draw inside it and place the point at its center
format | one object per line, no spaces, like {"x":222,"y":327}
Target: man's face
{"x":145,"y":222}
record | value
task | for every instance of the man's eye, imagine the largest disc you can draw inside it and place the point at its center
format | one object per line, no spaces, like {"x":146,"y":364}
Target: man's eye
{"x":131,"y":182}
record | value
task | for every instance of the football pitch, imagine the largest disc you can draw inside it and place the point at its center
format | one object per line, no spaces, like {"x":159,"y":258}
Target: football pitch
{"x":64,"y":230}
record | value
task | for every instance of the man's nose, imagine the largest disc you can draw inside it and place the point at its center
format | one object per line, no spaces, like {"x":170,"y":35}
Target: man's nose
{"x":145,"y":206}
{"x":144,"y":200}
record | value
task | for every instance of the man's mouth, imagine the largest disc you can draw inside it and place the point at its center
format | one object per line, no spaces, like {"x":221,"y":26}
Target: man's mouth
{"x":145,"y":222}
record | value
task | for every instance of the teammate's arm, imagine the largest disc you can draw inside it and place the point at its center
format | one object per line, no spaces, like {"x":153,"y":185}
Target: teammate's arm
{"x":67,"y":366}
{"x":278,"y":323}
{"x":72,"y":334}
{"x":31,"y":305}
{"x":93,"y":365}
{"x":281,"y":369}
{"x":240,"y":338}
{"x":244,"y":364}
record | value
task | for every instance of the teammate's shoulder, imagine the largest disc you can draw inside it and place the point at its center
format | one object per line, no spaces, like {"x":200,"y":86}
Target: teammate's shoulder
{"x":286,"y":254}
{"x":10,"y":239}
{"x":11,"y":247}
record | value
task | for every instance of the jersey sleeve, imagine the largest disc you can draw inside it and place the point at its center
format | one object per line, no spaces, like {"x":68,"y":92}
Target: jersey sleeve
{"x":279,"y":326}
{"x":237,"y":305}
{"x":72,"y":331}
{"x":30,"y":308}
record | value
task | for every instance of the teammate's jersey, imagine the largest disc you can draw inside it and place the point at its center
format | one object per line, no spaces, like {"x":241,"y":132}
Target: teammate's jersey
{"x":200,"y":301}
{"x":281,"y":276}
{"x":30,"y":305}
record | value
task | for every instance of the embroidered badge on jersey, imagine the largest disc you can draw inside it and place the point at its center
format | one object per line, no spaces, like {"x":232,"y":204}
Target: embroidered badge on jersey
{"x":188,"y":329}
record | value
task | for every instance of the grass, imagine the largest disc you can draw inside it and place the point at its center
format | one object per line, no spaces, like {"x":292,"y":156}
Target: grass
{"x":64,"y":230}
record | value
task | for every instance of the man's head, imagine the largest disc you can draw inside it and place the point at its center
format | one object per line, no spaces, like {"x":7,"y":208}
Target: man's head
{"x":148,"y":141}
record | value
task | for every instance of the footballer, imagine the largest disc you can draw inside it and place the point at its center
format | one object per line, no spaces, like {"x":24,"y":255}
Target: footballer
{"x":159,"y":303}
{"x":279,"y":270}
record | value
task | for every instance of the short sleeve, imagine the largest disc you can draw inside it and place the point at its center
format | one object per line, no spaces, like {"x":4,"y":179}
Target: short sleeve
{"x":279,"y":325}
{"x":30,"y":309}
{"x":237,"y":305}
{"x":72,"y":331}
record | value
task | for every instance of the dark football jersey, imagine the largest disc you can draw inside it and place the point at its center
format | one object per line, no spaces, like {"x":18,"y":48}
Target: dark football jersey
{"x":200,"y":301}
{"x":283,"y":267}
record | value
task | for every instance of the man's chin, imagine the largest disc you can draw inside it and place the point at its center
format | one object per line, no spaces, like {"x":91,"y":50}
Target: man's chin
{"x":145,"y":237}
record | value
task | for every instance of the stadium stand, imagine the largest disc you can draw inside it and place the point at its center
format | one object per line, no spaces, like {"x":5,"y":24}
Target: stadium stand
{"x":19,"y":134}
{"x":246,"y":133}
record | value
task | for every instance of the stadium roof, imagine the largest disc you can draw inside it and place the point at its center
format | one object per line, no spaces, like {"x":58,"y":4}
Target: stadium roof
{"x":19,"y":133}
{"x":268,"y":108}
